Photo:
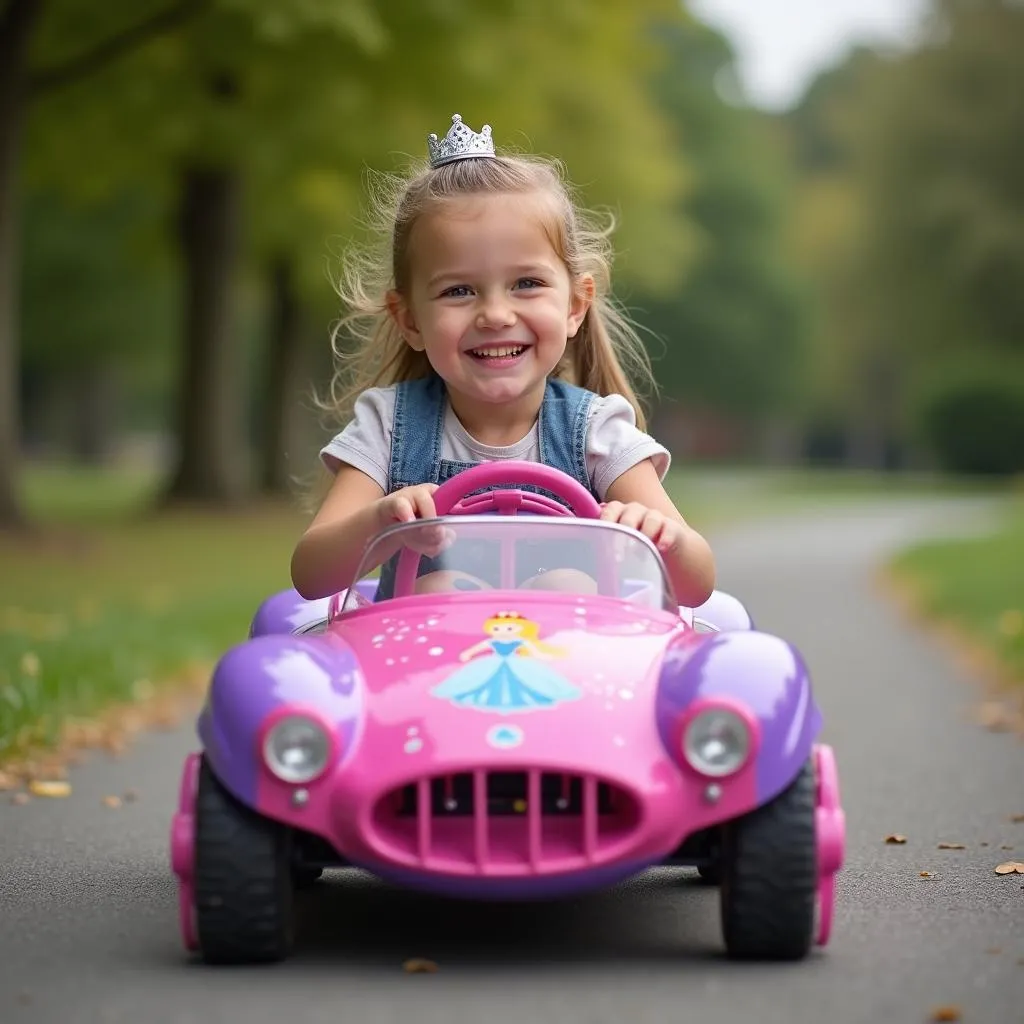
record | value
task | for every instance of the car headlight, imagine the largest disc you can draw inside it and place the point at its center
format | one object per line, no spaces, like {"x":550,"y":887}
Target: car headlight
{"x":296,"y":749}
{"x":716,"y":742}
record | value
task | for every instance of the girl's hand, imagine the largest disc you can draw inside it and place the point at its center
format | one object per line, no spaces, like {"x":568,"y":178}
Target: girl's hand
{"x":666,"y":533}
{"x":407,"y":505}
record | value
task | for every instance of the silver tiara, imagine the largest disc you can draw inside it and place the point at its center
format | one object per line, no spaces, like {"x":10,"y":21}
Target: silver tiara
{"x":460,"y":143}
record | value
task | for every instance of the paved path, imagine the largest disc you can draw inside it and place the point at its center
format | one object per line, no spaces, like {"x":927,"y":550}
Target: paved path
{"x":88,"y":929}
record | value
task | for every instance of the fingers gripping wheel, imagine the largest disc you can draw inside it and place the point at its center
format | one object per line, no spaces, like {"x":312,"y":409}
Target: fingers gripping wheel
{"x":456,"y":497}
{"x":509,"y":473}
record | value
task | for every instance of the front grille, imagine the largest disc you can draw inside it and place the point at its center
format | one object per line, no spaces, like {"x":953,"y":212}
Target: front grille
{"x":505,"y":823}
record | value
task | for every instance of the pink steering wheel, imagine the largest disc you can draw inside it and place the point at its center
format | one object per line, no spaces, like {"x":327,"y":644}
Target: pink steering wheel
{"x":580,"y":501}
{"x":455,"y":497}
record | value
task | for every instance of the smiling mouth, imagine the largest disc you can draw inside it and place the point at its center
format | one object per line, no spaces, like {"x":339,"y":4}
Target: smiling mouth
{"x":498,"y":352}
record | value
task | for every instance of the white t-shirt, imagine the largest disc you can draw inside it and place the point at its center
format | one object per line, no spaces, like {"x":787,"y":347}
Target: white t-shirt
{"x":613,"y":445}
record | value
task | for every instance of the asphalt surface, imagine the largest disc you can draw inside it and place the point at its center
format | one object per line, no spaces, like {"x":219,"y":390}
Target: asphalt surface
{"x":88,"y":916}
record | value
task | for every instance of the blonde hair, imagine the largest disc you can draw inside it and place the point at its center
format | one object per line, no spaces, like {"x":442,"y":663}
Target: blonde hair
{"x":370,"y":351}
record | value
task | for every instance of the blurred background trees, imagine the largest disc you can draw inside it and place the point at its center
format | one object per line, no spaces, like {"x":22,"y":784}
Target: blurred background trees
{"x":841,"y":282}
{"x":909,"y":225}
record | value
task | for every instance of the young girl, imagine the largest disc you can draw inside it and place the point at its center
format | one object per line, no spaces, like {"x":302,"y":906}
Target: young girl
{"x":487,"y":334}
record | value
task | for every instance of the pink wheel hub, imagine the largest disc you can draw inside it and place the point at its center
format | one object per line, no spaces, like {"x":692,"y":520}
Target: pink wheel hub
{"x":183,"y":850}
{"x":830,"y":828}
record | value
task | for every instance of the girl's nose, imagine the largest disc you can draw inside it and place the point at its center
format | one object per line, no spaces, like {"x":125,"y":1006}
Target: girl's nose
{"x":495,"y":313}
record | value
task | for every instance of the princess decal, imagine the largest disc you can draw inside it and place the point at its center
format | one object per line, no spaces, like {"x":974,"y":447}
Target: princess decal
{"x":511,"y":678}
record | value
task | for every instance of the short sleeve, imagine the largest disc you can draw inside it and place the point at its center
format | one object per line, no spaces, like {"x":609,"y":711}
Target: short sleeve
{"x":366,"y":442}
{"x":615,"y":443}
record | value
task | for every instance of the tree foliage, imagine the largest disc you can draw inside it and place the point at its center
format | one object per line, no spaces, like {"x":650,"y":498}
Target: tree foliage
{"x":942,"y":158}
{"x":911,"y":222}
{"x":274,"y":109}
{"x":732,"y":327}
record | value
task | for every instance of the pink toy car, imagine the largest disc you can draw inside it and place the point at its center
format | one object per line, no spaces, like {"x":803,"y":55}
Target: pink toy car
{"x":508,"y":741}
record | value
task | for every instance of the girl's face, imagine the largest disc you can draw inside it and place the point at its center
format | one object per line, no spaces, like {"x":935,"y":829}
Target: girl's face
{"x":490,"y":301}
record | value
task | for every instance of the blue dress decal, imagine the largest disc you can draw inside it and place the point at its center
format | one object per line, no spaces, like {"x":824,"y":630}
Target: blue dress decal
{"x":512,"y":677}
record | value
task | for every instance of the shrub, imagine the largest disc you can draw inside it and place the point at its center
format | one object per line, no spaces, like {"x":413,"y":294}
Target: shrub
{"x":973,"y":421}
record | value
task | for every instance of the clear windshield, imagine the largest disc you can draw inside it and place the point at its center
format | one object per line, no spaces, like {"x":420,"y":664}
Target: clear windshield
{"x":467,"y":553}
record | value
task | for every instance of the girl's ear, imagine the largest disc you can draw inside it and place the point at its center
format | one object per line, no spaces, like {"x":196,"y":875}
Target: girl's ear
{"x":401,"y":313}
{"x":580,"y":303}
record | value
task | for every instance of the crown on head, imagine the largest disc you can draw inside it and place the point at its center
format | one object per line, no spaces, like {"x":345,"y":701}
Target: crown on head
{"x":460,"y":143}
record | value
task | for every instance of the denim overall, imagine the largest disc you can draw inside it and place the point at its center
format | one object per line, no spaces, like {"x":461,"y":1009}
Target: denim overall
{"x":416,"y":441}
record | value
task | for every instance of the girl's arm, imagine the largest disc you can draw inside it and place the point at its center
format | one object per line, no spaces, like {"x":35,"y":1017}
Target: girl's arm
{"x":355,"y":510}
{"x":637,"y":499}
{"x":328,"y":553}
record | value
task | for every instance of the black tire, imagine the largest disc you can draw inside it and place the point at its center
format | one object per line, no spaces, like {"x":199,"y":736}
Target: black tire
{"x":770,"y":876}
{"x":305,"y":878}
{"x":711,"y":870}
{"x":710,"y":873}
{"x":243,"y":882}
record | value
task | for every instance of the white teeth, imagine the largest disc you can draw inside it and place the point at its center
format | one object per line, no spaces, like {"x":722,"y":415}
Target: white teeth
{"x":498,"y":353}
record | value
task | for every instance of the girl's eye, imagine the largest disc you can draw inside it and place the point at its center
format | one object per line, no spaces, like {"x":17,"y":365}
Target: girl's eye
{"x":459,"y":291}
{"x":529,"y":282}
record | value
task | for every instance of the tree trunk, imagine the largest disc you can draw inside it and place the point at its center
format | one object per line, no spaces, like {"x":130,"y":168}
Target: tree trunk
{"x":286,"y":369}
{"x":868,"y":431}
{"x":92,"y":403}
{"x":212,"y":456}
{"x":780,"y":443}
{"x":16,"y":24}
{"x":865,"y":443}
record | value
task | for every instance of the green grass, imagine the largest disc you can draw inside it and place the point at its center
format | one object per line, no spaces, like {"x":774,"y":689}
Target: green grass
{"x":107,"y":603}
{"x":82,"y":495}
{"x":977,"y":585}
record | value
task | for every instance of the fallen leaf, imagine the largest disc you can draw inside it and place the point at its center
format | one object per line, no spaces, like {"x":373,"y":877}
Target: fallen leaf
{"x":983,"y":844}
{"x":946,"y":1013}
{"x":995,"y":716}
{"x":114,"y":744}
{"x":1010,"y":867}
{"x":994,"y":950}
{"x":1017,"y":819}
{"x":896,"y":839}
{"x":419,"y":966}
{"x":20,"y":799}
{"x":1005,"y":847}
{"x":112,"y":801}
{"x":166,"y":719}
{"x":130,"y":796}
{"x":41,"y":787}
{"x":927,"y":874}
{"x":952,"y":846}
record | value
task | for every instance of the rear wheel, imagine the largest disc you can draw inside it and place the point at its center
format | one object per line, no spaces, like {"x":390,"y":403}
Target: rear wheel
{"x":711,"y":870}
{"x":243,"y":880}
{"x":770,"y":876}
{"x":710,"y":873}
{"x":305,"y":877}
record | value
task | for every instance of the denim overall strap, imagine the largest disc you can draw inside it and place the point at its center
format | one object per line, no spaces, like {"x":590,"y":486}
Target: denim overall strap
{"x":417,"y":433}
{"x":562,"y":429}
